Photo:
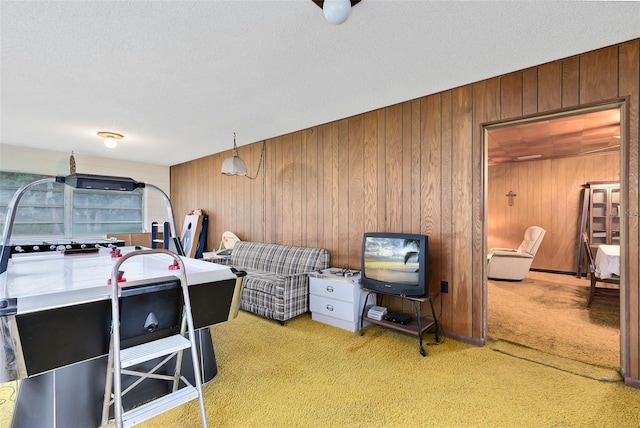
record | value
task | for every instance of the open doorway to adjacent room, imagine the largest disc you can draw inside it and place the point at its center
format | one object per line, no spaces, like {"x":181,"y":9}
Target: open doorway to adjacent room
{"x":535,"y":172}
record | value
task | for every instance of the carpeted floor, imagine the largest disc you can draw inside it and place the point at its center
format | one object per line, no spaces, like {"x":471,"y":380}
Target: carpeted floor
{"x":548,"y":312}
{"x":308,"y":374}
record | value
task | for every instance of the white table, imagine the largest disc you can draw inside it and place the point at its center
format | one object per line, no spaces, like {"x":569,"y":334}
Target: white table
{"x":607,"y":262}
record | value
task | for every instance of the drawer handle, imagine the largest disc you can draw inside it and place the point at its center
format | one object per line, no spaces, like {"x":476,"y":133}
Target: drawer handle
{"x":330,"y":307}
{"x":330,"y":288}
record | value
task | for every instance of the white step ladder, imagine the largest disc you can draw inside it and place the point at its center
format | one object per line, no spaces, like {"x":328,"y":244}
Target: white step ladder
{"x":121,"y":359}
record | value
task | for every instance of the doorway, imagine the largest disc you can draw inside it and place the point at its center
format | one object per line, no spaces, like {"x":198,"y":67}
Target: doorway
{"x":534,"y":170}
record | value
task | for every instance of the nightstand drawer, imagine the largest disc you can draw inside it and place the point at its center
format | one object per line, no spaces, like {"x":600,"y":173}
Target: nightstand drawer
{"x":333,"y":289}
{"x":333,"y":308}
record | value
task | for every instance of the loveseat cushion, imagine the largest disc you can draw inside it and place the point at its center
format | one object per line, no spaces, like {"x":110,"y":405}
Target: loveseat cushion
{"x":264,"y":282}
{"x":273,"y":296}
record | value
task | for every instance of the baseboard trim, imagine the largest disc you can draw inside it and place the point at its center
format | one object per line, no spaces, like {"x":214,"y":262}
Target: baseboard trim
{"x":633,"y":383}
{"x":465,"y":339}
{"x":559,"y":272}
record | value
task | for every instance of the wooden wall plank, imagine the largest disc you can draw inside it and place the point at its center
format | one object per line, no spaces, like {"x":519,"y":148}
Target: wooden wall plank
{"x":431,"y":184}
{"x":287,"y":194}
{"x":393,"y":175}
{"x":278,"y":216}
{"x":570,"y":81}
{"x":310,"y":195}
{"x":303,"y":172}
{"x":343,"y":192}
{"x":320,"y":173}
{"x":462,"y":227}
{"x":416,"y":170}
{"x":326,"y":136}
{"x":243,"y":187}
{"x":550,"y":86}
{"x":497,"y":205}
{"x":530,"y":91}
{"x":206,"y":173}
{"x":356,"y":190}
{"x":560,"y":252}
{"x":599,"y":75}
{"x":446,"y":208}
{"x":297,"y":184}
{"x":407,"y":190}
{"x":338,"y":258}
{"x":511,"y":95}
{"x":268,"y":197}
{"x":382,"y":170}
{"x":370,"y":174}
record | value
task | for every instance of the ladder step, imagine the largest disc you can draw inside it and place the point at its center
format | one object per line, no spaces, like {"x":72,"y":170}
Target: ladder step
{"x":158,"y":406}
{"x":150,"y":350}
{"x":158,"y":240}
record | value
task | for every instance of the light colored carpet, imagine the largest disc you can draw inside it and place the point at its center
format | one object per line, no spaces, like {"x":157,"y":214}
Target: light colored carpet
{"x":548,"y":312}
{"x":308,"y":374}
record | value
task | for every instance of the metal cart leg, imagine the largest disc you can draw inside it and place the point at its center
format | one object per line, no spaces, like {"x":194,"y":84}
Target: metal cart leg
{"x":423,"y":352}
{"x":364,"y":308}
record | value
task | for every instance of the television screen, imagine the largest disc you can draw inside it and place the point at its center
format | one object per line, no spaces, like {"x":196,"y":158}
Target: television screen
{"x":392,"y":259}
{"x":395,"y":263}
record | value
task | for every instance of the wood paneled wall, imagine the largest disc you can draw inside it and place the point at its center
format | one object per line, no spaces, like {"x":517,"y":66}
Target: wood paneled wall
{"x":548,"y":195}
{"x":418,"y":167}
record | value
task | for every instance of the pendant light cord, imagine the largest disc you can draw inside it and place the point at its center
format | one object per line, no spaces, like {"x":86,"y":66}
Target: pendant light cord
{"x":261,"y":159}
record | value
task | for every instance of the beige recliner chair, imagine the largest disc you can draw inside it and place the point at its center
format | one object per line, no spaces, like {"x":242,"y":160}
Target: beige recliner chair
{"x":512,"y":264}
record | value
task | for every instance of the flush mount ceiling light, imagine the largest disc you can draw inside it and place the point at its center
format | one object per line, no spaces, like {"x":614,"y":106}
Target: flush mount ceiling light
{"x":336,"y":11}
{"x":110,"y":138}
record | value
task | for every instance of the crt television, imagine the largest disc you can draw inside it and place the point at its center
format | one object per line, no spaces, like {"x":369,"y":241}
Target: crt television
{"x":395,"y":263}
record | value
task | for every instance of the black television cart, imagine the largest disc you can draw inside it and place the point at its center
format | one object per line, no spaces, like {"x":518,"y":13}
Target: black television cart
{"x":417,"y":326}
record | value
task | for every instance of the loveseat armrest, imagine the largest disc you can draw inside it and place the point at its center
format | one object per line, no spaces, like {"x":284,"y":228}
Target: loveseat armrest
{"x":291,"y":276}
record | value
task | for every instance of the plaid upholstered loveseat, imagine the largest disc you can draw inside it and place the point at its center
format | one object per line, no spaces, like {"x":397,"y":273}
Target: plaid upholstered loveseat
{"x":277,"y":281}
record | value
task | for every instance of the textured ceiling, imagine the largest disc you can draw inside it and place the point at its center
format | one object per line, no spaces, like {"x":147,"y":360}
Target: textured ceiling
{"x":179,"y":78}
{"x":568,"y":136}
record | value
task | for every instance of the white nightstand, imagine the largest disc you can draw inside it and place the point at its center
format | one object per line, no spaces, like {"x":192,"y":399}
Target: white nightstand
{"x":336,"y":300}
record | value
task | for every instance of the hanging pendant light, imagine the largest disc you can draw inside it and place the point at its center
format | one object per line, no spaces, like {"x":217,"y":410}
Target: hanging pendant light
{"x":234,"y":165}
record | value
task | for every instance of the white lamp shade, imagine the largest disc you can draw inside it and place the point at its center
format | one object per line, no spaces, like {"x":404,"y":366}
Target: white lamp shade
{"x":336,"y":11}
{"x":234,"y":165}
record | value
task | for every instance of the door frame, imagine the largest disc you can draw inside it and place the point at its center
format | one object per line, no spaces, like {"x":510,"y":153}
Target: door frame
{"x":618,"y":103}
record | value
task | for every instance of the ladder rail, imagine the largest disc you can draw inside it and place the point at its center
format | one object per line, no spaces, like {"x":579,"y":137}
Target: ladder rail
{"x":176,"y":374}
{"x":115,"y":315}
